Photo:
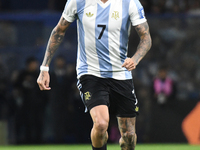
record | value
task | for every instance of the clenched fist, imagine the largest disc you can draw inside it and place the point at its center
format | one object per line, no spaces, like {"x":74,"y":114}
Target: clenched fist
{"x":129,"y":64}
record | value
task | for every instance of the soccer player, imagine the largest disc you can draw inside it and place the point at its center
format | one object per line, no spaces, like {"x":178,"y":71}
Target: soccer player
{"x":103,"y":68}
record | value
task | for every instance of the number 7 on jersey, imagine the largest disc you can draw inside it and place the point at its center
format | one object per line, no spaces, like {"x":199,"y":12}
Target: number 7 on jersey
{"x":103,"y":29}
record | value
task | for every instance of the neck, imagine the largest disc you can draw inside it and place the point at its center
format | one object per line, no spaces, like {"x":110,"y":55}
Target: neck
{"x":104,"y":1}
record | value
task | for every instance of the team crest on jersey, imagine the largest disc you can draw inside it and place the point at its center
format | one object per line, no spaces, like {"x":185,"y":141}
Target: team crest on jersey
{"x":115,"y":15}
{"x":87,"y":96}
{"x":89,"y":14}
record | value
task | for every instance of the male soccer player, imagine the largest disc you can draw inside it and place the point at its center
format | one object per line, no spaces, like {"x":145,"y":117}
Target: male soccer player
{"x":103,"y":68}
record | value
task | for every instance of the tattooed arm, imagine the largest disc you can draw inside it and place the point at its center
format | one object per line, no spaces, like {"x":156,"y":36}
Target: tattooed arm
{"x":55,"y":40}
{"x":143,"y":47}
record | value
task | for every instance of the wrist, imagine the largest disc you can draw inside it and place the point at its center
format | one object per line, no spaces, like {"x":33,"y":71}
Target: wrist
{"x":44,"y":68}
{"x":135,"y":59}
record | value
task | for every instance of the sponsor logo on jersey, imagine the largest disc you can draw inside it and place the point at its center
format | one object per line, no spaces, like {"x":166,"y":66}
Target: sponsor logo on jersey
{"x":87,"y":96}
{"x":89,"y":14}
{"x":115,"y":15}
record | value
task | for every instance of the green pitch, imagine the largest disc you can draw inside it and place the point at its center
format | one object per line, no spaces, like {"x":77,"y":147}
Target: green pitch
{"x":110,"y":147}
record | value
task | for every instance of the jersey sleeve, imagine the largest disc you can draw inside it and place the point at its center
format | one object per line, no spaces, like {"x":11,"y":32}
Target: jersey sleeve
{"x":136,"y":12}
{"x":70,"y":11}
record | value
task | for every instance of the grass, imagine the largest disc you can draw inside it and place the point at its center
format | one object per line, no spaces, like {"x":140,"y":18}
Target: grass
{"x":110,"y":147}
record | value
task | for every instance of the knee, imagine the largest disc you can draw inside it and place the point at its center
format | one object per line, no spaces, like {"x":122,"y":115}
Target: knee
{"x":101,"y":125}
{"x":128,"y":138}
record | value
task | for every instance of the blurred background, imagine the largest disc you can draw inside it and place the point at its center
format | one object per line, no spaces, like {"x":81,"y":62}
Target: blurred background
{"x":166,"y":81}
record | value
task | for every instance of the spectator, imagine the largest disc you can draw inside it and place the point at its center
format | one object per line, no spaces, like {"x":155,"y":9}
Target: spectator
{"x":163,"y":86}
{"x":8,"y":36}
{"x":31,"y":104}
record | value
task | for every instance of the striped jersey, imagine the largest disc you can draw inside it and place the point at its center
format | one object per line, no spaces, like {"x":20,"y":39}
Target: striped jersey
{"x":103,"y":32}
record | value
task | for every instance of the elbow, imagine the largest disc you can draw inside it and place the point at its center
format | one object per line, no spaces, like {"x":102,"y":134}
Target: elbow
{"x":59,"y":30}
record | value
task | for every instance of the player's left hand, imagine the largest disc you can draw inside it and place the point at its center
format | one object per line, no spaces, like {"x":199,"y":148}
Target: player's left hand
{"x":129,"y":64}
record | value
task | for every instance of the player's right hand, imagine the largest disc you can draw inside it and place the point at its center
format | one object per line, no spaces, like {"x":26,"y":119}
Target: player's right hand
{"x":129,"y":64}
{"x":43,"y":80}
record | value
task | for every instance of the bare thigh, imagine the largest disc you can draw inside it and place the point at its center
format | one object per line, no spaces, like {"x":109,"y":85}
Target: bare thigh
{"x":100,"y":114}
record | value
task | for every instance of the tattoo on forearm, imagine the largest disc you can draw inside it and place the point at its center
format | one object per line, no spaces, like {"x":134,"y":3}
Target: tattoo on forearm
{"x":145,"y":41}
{"x":55,"y":40}
{"x":53,"y":44}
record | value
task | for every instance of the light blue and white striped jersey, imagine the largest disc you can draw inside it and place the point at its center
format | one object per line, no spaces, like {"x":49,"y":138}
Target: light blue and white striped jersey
{"x":103,"y":32}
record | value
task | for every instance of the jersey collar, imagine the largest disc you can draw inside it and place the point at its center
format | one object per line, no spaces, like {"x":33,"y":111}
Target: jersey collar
{"x":103,"y":4}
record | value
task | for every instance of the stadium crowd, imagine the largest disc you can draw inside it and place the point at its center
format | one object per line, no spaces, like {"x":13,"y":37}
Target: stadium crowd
{"x":38,"y":117}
